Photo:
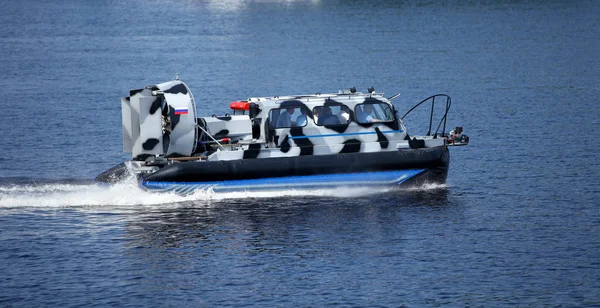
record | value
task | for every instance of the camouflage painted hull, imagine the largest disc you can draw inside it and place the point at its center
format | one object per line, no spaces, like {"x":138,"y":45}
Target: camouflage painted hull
{"x":282,"y":142}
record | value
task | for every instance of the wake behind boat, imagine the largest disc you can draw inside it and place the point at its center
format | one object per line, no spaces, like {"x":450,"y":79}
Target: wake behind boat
{"x":348,"y":139}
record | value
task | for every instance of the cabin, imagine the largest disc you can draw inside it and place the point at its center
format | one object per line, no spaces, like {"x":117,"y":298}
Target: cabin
{"x":319,"y":124}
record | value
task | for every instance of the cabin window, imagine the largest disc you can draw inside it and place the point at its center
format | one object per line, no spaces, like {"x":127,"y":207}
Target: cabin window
{"x":332,"y":115}
{"x":288,"y":117}
{"x":373,"y":112}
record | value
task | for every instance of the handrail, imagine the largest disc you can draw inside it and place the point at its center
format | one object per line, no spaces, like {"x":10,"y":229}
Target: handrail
{"x":442,"y":120}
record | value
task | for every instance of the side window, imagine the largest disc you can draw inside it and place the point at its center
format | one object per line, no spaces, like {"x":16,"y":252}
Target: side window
{"x":332,"y":115}
{"x":287,"y":117}
{"x":373,"y":112}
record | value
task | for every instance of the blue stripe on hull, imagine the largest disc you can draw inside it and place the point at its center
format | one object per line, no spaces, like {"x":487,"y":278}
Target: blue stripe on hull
{"x":346,"y":134}
{"x":383,"y":178}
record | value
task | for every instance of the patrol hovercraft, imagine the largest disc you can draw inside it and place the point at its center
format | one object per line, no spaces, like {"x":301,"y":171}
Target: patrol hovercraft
{"x":316,"y":141}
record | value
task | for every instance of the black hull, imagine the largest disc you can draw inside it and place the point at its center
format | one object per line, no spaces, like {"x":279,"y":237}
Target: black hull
{"x":435,"y":160}
{"x":114,"y":174}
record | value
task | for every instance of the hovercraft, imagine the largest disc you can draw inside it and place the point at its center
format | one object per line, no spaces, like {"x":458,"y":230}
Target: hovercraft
{"x":319,"y":141}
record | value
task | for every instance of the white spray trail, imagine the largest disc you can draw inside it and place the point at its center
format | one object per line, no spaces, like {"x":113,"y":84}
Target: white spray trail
{"x":127,"y":193}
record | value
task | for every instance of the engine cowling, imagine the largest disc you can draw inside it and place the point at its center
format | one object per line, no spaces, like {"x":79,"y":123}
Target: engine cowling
{"x":159,"y":120}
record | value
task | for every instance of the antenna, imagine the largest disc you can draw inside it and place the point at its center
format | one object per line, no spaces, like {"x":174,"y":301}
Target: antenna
{"x":341,"y":89}
{"x":393,"y":96}
{"x":176,"y":76}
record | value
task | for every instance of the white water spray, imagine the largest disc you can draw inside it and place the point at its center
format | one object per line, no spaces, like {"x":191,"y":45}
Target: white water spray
{"x":127,"y":193}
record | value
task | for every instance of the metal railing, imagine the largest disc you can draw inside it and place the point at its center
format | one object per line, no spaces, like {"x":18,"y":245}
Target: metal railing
{"x":442,"y":120}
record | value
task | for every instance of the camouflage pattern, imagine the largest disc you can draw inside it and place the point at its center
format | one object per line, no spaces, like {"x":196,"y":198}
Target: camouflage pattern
{"x":159,"y":120}
{"x":256,"y":135}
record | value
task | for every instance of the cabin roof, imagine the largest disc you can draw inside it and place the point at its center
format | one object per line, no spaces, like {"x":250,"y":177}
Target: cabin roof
{"x":318,"y":98}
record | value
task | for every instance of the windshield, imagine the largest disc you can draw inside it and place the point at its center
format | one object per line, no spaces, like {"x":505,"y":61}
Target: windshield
{"x":374,"y":112}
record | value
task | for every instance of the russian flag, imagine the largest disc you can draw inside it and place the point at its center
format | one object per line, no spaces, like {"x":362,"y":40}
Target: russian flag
{"x":181,"y":110}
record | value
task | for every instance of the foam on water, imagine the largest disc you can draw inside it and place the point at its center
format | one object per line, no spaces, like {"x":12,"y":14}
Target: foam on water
{"x":427,"y":187}
{"x":127,"y":193}
{"x":73,"y":195}
{"x":339,"y":192}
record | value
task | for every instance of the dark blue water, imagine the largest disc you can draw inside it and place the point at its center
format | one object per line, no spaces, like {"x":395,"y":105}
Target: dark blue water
{"x":518,"y":223}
